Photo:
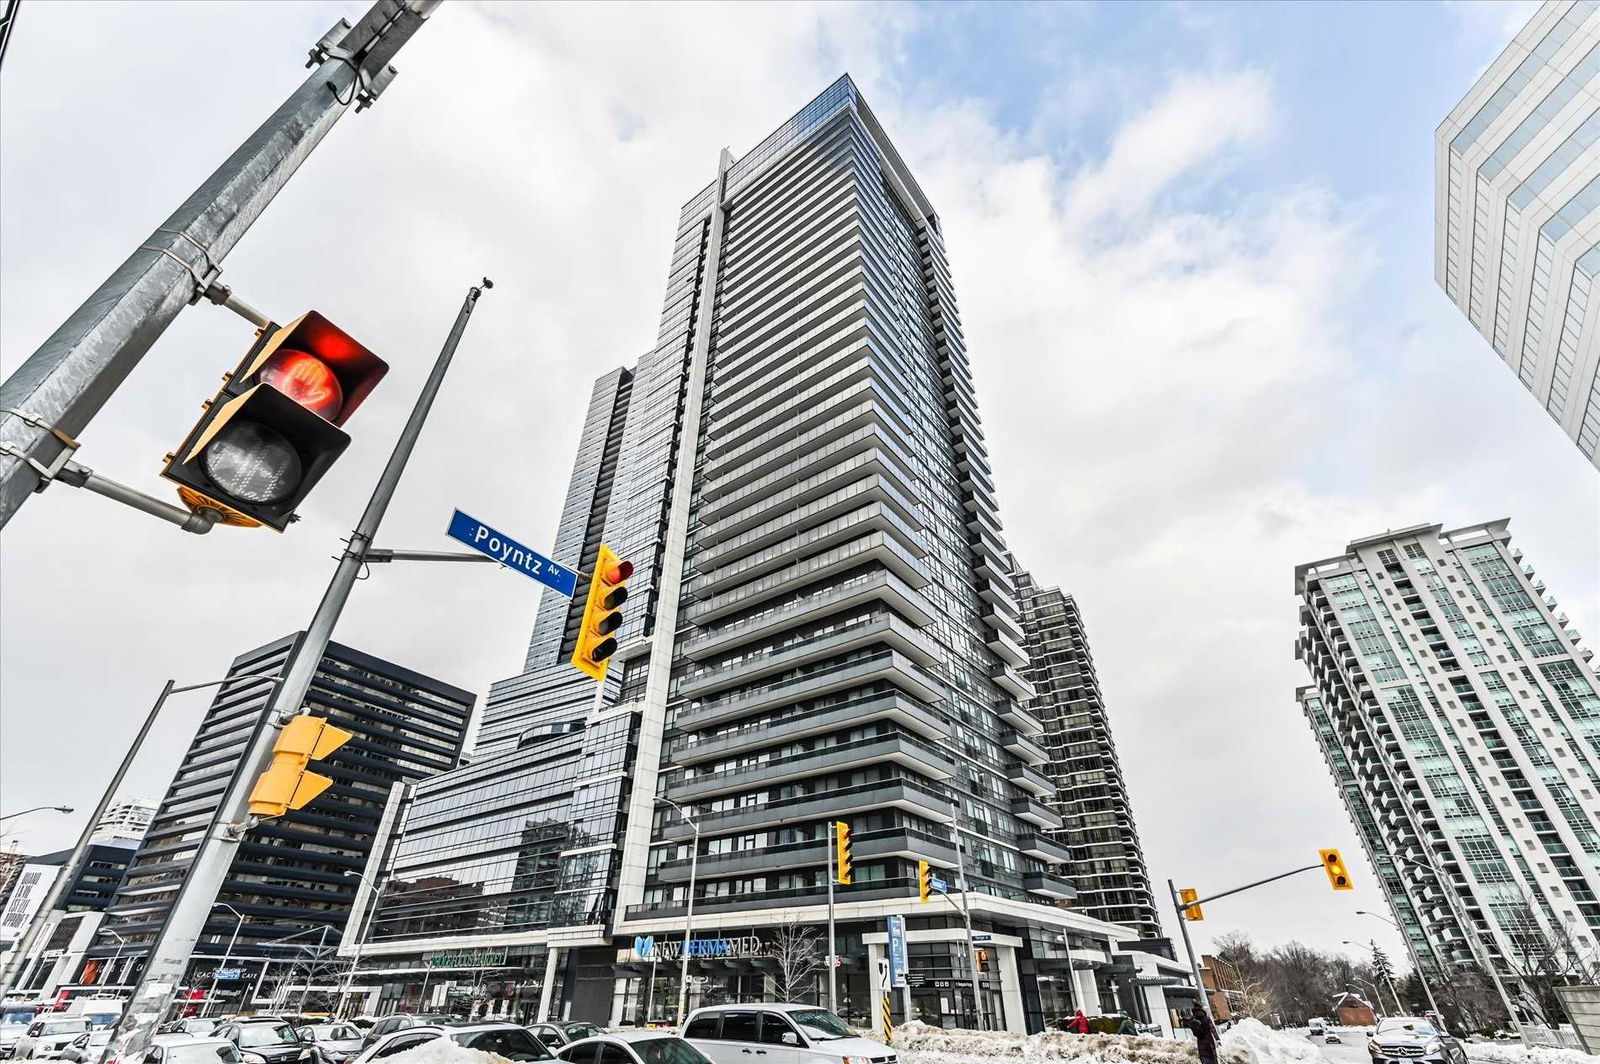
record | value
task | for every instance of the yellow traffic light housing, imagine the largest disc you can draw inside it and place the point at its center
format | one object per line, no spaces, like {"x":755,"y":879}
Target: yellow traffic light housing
{"x":602,"y":613}
{"x":1191,"y":911}
{"x":1338,"y":875}
{"x":286,"y":784}
{"x":844,"y":863}
{"x":924,"y":881}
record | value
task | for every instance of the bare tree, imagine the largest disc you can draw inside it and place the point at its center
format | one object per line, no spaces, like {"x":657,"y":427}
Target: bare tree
{"x":1545,"y":954}
{"x":1250,"y":995}
{"x":797,"y":948}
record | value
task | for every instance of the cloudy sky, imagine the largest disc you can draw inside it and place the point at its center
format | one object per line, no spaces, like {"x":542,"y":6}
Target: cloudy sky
{"x":1193,"y":249}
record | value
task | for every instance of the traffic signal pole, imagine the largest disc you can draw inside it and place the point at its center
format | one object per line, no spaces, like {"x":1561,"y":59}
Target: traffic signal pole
{"x":175,"y":943}
{"x":52,"y":397}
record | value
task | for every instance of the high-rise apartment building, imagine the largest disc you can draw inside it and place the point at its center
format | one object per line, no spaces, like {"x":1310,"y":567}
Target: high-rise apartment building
{"x":1084,"y":775}
{"x":1517,"y":211}
{"x":288,"y":877}
{"x":1461,"y":723}
{"x":126,"y":818}
{"x":822,"y":627}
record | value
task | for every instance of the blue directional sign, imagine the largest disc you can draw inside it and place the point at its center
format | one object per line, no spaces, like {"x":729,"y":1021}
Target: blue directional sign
{"x":935,"y":883}
{"x":513,"y":555}
{"x":897,"y":952}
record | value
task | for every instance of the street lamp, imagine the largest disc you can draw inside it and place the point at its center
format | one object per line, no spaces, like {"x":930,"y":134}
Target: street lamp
{"x":111,"y":969}
{"x":688,"y":913}
{"x":227,"y":954}
{"x":38,"y":808}
{"x":1468,"y":929}
{"x":361,"y":935}
{"x":1377,"y":988}
{"x":1416,"y":962}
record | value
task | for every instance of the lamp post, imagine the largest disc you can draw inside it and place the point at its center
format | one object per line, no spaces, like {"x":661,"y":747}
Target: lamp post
{"x":1468,"y":929}
{"x":688,"y":913}
{"x":1416,"y":962}
{"x":111,"y":969}
{"x":361,"y":935}
{"x":227,"y":954}
{"x":38,"y":808}
{"x":1377,"y":987}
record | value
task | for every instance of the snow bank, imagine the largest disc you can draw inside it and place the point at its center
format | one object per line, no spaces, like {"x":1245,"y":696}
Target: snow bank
{"x":1516,"y":1053}
{"x":1247,"y":1042}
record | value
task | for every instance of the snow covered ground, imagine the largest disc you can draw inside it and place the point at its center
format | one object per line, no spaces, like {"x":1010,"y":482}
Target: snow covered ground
{"x":1515,"y":1053}
{"x":1248,"y":1042}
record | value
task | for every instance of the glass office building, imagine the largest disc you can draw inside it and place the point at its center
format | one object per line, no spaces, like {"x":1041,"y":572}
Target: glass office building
{"x":1517,"y":212}
{"x":1461,"y":723}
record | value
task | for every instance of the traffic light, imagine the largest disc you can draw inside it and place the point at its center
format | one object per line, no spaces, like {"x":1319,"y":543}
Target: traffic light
{"x":273,"y":429}
{"x":1338,"y":876}
{"x":844,"y":864}
{"x":924,"y":881}
{"x":602,"y":616}
{"x":286,"y":784}
{"x":1191,"y":911}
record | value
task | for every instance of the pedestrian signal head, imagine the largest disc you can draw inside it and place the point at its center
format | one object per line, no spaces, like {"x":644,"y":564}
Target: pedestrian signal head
{"x":286,"y":784}
{"x":1338,"y":875}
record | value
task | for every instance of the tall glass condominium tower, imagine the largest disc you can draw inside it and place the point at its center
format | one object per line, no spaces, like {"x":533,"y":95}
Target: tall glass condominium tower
{"x":1517,"y":211}
{"x":822,"y":627}
{"x":1462,"y":726}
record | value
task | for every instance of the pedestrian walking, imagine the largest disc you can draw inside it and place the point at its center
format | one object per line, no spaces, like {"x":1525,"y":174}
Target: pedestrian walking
{"x":1205,"y":1034}
{"x":1079,"y":1024}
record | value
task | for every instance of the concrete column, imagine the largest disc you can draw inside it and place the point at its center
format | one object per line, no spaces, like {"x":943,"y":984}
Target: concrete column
{"x":1016,"y":1018}
{"x":1155,"y":1000}
{"x":549,"y":984}
{"x":1086,"y":993}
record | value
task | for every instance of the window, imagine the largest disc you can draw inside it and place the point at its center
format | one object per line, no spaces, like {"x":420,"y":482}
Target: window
{"x":774,"y":1027}
{"x":702,"y":1027}
{"x":739,"y":1026}
{"x":668,"y":1051}
{"x":581,"y":1054}
{"x":611,"y":1053}
{"x":402,"y":1043}
{"x":511,"y":1043}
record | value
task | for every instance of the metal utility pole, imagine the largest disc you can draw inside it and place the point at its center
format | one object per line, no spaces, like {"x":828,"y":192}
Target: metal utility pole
{"x":361,"y":936}
{"x":52,"y":397}
{"x":833,"y":972}
{"x":227,"y":954}
{"x":1188,"y":947}
{"x":966,"y":913}
{"x":170,"y":953}
{"x":1416,"y":962}
{"x":74,"y":866}
{"x":688,"y":913}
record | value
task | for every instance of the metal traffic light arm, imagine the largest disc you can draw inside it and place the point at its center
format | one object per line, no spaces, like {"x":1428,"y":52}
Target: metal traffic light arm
{"x":1248,"y":886}
{"x":198,"y":521}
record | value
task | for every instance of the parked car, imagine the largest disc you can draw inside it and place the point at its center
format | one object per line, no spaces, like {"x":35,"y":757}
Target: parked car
{"x":190,"y":1049}
{"x":13,"y":1025}
{"x":45,"y":1038}
{"x":503,"y":1039}
{"x":800,"y":1034}
{"x":404,"y":1021}
{"x":265,"y":1041}
{"x":557,"y":1033}
{"x":1407,"y":1039}
{"x":633,"y":1047}
{"x":87,"y":1048}
{"x":334,"y":1042}
{"x":199,"y":1026}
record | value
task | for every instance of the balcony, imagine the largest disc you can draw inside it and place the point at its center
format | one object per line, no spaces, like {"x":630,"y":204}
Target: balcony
{"x":999,"y":595}
{"x":1031,"y":779}
{"x":881,"y":629}
{"x":777,"y":899}
{"x":1024,"y":747}
{"x":907,"y":713}
{"x":1023,"y":721}
{"x":873,"y":547}
{"x":890,"y":666}
{"x":901,"y":749}
{"x":760,"y":507}
{"x":1043,"y":847}
{"x":1012,"y":680}
{"x":1001,"y":621}
{"x":1036,"y":812}
{"x":882,"y":586}
{"x":712,"y":550}
{"x":731,"y":569}
{"x":1048,"y":885}
{"x":895,"y":842}
{"x":924,"y":800}
{"x":1006,"y":648}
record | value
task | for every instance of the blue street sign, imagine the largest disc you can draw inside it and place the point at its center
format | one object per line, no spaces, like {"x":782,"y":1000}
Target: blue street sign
{"x":897,"y":952}
{"x":508,"y":552}
{"x":230,"y":974}
{"x":935,"y":883}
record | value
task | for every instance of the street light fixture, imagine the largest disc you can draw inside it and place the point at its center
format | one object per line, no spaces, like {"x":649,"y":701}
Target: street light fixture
{"x":361,"y":935}
{"x":1416,"y":962}
{"x":688,"y":913}
{"x":38,"y":808}
{"x":1377,"y":988}
{"x":112,"y":967}
{"x":227,"y":954}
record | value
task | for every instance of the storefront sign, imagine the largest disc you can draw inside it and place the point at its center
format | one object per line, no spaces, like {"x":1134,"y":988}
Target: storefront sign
{"x":897,"y":952}
{"x":474,"y":958}
{"x":650,"y":948}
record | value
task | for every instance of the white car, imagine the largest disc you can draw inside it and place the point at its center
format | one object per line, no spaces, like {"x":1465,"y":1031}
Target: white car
{"x":782,"y":1034}
{"x":187,"y":1049}
{"x":45,"y":1038}
{"x":87,"y":1048}
{"x":502,"y":1039}
{"x":632,"y":1047}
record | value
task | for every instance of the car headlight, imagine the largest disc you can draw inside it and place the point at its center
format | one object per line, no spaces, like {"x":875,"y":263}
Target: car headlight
{"x":252,"y":1058}
{"x":1374,"y":1048}
{"x":305,"y":1054}
{"x":1433,"y":1047}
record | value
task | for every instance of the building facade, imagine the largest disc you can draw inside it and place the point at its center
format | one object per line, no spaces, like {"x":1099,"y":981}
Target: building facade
{"x":1086,"y":786}
{"x":69,"y":931}
{"x":284,"y":903}
{"x":1460,"y":721}
{"x":822,"y":626}
{"x":1517,"y":212}
{"x":126,"y":818}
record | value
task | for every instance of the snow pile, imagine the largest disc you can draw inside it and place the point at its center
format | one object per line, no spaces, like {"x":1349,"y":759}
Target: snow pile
{"x":1253,"y":1042}
{"x":920,"y":1043}
{"x":1516,"y":1053}
{"x":445,"y":1051}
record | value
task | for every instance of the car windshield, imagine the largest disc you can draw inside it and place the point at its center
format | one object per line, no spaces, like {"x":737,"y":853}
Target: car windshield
{"x":197,"y":1026}
{"x":76,"y":1027}
{"x":513,"y":1043}
{"x":334,"y":1032}
{"x":669,"y":1049}
{"x":203,"y":1053}
{"x":581,"y":1030}
{"x":266,"y":1034}
{"x":820,"y":1024}
{"x":1421,"y":1028}
{"x":16,"y":1017}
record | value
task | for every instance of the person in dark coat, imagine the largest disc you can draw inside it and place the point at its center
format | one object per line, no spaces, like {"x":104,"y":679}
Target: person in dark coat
{"x":1079,"y":1024}
{"x":1205,"y":1034}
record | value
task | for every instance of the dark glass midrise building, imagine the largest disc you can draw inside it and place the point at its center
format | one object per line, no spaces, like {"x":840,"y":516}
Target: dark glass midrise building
{"x":288,"y":880}
{"x":822,"y":626}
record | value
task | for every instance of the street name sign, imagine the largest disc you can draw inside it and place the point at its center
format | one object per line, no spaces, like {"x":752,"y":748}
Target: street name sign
{"x":513,"y":555}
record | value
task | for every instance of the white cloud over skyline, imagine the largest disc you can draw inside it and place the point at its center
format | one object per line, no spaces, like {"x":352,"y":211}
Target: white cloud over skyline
{"x":1187,"y":381}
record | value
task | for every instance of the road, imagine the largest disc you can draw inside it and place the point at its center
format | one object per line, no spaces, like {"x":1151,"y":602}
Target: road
{"x":1352,"y":1049}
